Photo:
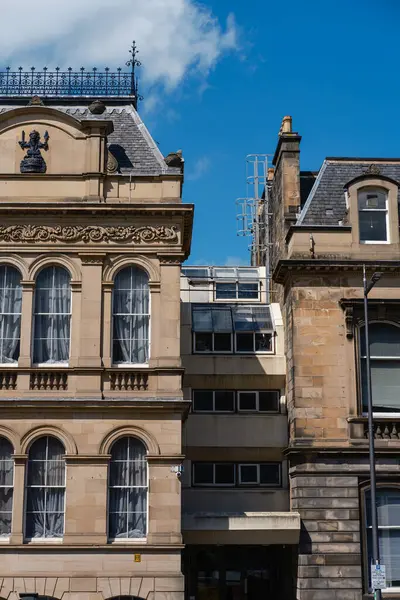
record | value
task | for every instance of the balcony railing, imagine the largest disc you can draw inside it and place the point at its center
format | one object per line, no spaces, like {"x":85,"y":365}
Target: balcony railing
{"x":385,"y":428}
{"x":8,"y":380}
{"x":48,"y":381}
{"x":128,"y":381}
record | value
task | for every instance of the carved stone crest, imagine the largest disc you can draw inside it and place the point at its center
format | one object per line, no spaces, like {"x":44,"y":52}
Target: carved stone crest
{"x":89,"y":233}
{"x":112,"y":163}
{"x":372,"y":170}
{"x":33,"y":161}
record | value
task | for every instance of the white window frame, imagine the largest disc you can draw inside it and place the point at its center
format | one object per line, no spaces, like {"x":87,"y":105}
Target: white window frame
{"x":254,"y":351}
{"x":212,"y":333}
{"x":376,"y":210}
{"x":127,"y":540}
{"x":27,"y":487}
{"x":213,"y":392}
{"x":213,"y":484}
{"x":13,"y":364}
{"x":257,"y":409}
{"x":58,"y":364}
{"x":5,"y":538}
{"x":236,"y":283}
{"x":122,"y":365}
{"x":258,"y":482}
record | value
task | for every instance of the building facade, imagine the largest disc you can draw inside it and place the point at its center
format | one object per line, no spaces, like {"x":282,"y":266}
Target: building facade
{"x":92,"y":235}
{"x":240,"y":538}
{"x":325,"y":226}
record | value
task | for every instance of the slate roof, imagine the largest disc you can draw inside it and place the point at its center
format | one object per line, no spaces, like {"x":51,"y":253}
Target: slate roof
{"x":326,"y":203}
{"x":130,"y":143}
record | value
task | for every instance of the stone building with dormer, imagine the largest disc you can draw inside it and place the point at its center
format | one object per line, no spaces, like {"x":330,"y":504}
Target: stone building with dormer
{"x":92,"y":235}
{"x":325,"y":226}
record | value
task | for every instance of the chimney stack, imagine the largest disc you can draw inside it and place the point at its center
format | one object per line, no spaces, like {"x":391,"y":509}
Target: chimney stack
{"x":287,"y":170}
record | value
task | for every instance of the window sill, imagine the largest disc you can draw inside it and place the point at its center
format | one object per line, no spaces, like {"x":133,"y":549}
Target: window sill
{"x":5,"y":539}
{"x":369,"y":242}
{"x":59,"y":365}
{"x":130,"y":541}
{"x":130,"y":366}
{"x":44,"y":541}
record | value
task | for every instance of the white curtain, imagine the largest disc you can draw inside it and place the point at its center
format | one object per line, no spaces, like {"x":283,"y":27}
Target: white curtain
{"x":128,"y":489}
{"x":45,"y":489}
{"x":10,"y":314}
{"x":6,"y":486}
{"x":52,"y":316}
{"x":131,"y":317}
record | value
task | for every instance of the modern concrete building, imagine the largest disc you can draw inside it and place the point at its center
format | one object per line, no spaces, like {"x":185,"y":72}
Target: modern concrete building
{"x":240,"y":538}
{"x":323,"y":228}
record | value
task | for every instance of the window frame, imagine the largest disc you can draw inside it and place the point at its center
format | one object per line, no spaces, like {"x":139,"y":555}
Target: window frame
{"x":237,"y":475}
{"x":6,"y":537}
{"x":116,"y":540}
{"x":41,"y":539}
{"x":236,"y":282}
{"x":214,"y":411}
{"x":257,"y":409}
{"x":122,"y":365}
{"x":385,"y":485}
{"x":12,"y":364}
{"x":385,"y":210}
{"x":254,"y":351}
{"x":58,"y":364}
{"x":212,"y":333}
{"x":361,"y":357}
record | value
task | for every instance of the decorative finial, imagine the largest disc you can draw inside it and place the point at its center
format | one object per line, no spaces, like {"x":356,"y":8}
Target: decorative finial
{"x":133,"y":63}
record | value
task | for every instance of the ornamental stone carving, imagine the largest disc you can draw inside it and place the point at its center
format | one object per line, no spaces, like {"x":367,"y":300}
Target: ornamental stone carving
{"x":89,"y":233}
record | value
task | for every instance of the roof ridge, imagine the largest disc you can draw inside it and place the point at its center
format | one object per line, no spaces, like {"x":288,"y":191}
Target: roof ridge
{"x":312,"y":193}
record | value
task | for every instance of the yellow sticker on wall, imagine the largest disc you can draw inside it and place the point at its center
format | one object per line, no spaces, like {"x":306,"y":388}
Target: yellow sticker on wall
{"x":137,"y":557}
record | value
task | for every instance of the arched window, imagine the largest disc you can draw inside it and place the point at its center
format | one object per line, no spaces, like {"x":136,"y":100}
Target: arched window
{"x":52,"y":316}
{"x":6,"y":486}
{"x":128,"y":487}
{"x":384,"y":341}
{"x":45,"y":489}
{"x":372,"y":215}
{"x":388,"y":505}
{"x":10,"y":314}
{"x":131,"y":316}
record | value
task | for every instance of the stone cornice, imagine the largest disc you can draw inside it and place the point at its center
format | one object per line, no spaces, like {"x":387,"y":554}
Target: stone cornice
{"x":307,"y":266}
{"x":316,"y":228}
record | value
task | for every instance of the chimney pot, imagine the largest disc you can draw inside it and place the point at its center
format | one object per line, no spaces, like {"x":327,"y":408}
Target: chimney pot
{"x":286,"y":126}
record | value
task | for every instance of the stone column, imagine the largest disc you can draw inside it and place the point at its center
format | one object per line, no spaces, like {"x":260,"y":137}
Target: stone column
{"x":156,"y":316}
{"x":25,"y":356}
{"x":108,"y":287}
{"x":76,"y":294}
{"x":17,"y":525}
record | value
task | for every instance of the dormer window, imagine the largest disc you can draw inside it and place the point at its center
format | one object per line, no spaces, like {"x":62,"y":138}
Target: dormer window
{"x":373,"y":216}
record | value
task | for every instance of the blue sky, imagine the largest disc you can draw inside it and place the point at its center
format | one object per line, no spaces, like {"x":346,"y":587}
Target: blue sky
{"x":219,"y":75}
{"x":332,"y":65}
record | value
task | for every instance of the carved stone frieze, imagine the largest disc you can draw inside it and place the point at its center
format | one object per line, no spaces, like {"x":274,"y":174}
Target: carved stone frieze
{"x":88,"y":233}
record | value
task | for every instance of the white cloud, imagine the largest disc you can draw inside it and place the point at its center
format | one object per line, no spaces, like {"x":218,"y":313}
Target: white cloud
{"x":200,"y":167}
{"x":176,"y":38}
{"x":236,"y":261}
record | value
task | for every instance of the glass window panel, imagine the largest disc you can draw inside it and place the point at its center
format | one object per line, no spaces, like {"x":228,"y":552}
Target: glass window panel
{"x":385,"y":379}
{"x":248,"y":473}
{"x":6,"y":472}
{"x":269,"y":401}
{"x":389,"y":550}
{"x":248,"y":290}
{"x":203,"y":342}
{"x":137,"y":525}
{"x":225,"y":291}
{"x":224,"y":273}
{"x":201,"y":318}
{"x":10,"y":314}
{"x":372,"y":226}
{"x":222,"y":342}
{"x":248,"y":274}
{"x":194,"y":273}
{"x":263,"y":342}
{"x":388,"y":506}
{"x":55,"y":472}
{"x":372,"y":199}
{"x":222,"y":319}
{"x":262,"y":317}
{"x":224,"y":401}
{"x":247,"y":401}
{"x":118,"y":500}
{"x":243,"y":318}
{"x":54,"y":524}
{"x":203,"y":473}
{"x":37,"y":472}
{"x":36,"y":500}
{"x":6,"y":449}
{"x":245,"y":342}
{"x":384,"y":340}
{"x":5,"y":524}
{"x":270,"y":474}
{"x":34,"y":525}
{"x":6,"y":497}
{"x":203,"y":400}
{"x":224,"y":473}
{"x":118,"y":525}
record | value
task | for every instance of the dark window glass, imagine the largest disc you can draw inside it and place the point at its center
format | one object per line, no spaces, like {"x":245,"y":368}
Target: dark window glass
{"x":6,"y":486}
{"x":248,"y":290}
{"x":372,"y":213}
{"x":225,"y":473}
{"x":225,"y":291}
{"x":224,"y":401}
{"x":270,"y":474}
{"x":222,"y":342}
{"x":203,"y":473}
{"x":269,"y":401}
{"x":203,"y":400}
{"x":263,"y":342}
{"x":248,"y":474}
{"x":245,"y":342}
{"x":203,"y":342}
{"x":248,"y":401}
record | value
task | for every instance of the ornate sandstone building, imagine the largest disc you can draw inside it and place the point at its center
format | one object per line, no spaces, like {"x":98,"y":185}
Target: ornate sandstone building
{"x":92,"y":235}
